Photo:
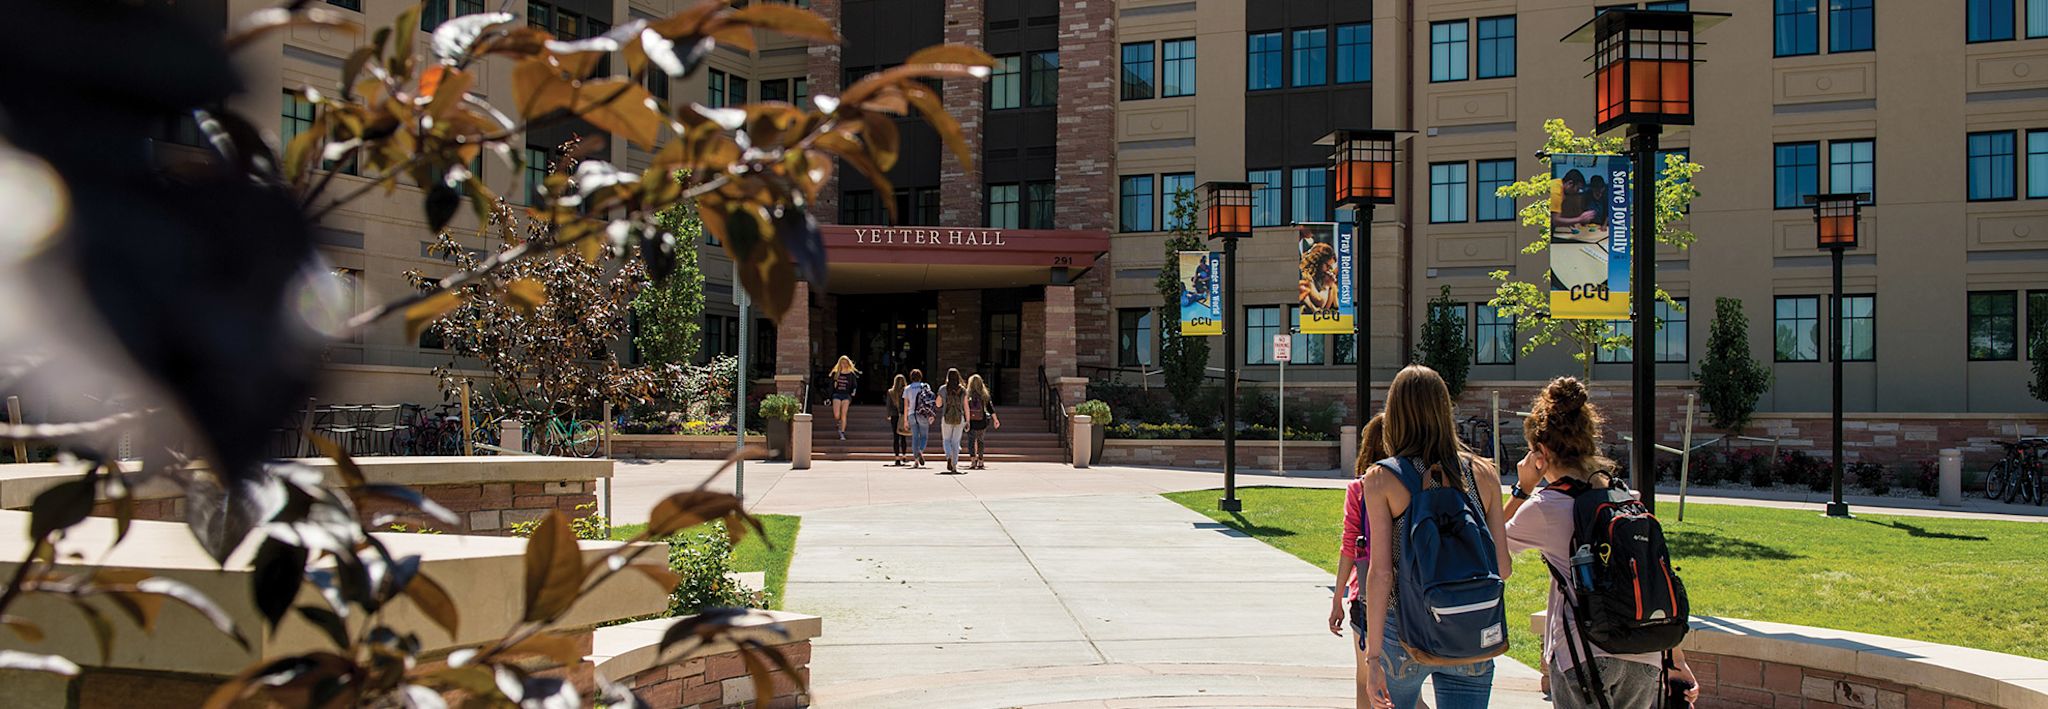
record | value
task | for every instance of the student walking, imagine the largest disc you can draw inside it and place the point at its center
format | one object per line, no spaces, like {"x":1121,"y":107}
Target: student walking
{"x":918,"y":414}
{"x":1564,"y":459}
{"x":952,"y":418}
{"x":981,"y":416}
{"x":899,"y":425}
{"x":1353,"y":551}
{"x":1434,"y":575}
{"x":845,"y":381}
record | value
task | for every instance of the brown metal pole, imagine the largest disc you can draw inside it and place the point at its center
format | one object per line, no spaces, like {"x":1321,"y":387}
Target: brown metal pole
{"x":14,"y":417}
{"x":468,"y":436}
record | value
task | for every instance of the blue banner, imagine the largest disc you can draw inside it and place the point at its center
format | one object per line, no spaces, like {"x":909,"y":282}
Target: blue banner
{"x":1591,"y":197}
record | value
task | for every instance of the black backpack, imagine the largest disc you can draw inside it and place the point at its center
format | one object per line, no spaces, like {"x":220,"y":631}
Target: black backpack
{"x":1636,"y":603}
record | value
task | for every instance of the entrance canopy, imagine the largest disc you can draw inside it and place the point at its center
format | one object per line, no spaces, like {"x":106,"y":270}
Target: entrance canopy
{"x":882,"y":259}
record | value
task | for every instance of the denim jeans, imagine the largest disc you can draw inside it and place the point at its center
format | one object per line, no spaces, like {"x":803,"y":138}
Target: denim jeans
{"x":950,"y":438}
{"x":1457,"y":686}
{"x":920,"y":429}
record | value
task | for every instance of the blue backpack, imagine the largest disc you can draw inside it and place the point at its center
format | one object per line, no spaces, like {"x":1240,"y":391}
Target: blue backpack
{"x":1450,"y":606}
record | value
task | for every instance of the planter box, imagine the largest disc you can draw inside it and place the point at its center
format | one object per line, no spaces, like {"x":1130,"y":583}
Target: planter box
{"x":1208,"y":453}
{"x":676,"y":445}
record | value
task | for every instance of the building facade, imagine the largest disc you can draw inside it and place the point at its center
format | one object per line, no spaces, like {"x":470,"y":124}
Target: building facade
{"x":1042,"y":253}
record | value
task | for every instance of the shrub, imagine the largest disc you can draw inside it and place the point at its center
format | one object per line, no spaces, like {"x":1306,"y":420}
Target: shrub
{"x":1708,"y":468}
{"x":591,"y":526}
{"x":1443,"y":345}
{"x":1871,"y":476}
{"x":704,"y":559}
{"x":1929,"y":478}
{"x":780,"y":407}
{"x":1257,"y":407}
{"x":1262,"y":432}
{"x":1800,"y":467}
{"x":1730,"y":379}
{"x":1096,"y":410}
{"x":1751,"y":466}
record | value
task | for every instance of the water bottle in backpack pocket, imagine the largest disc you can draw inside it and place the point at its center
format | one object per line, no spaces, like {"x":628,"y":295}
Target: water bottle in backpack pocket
{"x":1449,"y":591}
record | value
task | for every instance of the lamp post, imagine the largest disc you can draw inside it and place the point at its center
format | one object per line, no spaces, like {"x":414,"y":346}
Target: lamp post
{"x":1230,"y":219}
{"x":1835,"y":219}
{"x":1642,"y":79}
{"x":1364,"y":163}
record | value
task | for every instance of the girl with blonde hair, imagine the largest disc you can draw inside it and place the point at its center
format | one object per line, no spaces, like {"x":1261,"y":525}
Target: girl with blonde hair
{"x":981,"y":416}
{"x":845,"y":381}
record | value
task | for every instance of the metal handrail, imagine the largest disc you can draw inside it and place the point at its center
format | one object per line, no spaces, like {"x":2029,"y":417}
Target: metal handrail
{"x":1055,"y":412}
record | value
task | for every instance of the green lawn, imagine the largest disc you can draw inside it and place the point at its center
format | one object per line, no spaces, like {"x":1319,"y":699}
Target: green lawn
{"x":752,"y":554}
{"x":1957,"y":582}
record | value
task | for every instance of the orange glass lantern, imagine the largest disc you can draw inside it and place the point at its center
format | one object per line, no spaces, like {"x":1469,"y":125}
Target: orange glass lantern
{"x":1230,"y":209}
{"x":1363,"y":161}
{"x":1642,"y":65}
{"x":1836,"y":218}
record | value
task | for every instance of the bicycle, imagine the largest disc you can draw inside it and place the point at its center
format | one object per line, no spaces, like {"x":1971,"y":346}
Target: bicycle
{"x":1477,"y":433}
{"x":563,"y":436}
{"x":2019,"y":475}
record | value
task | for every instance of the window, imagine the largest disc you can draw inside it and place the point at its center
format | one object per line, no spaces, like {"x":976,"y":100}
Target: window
{"x":1990,"y":20}
{"x":1669,"y":5}
{"x":1260,"y":325}
{"x":1006,"y":83}
{"x":1798,"y":173}
{"x":1618,"y":353}
{"x":1797,"y":28}
{"x":1354,"y":53}
{"x":298,"y":118}
{"x":1265,"y":197}
{"x":1004,"y":341}
{"x":736,"y":90}
{"x":1310,"y":189}
{"x":1493,"y":336}
{"x":771,"y":89}
{"x":1496,"y":47}
{"x":1447,"y":51}
{"x":1177,"y":71}
{"x":2037,"y":18}
{"x":1137,"y":71}
{"x":537,"y":161}
{"x":858,"y":207}
{"x":1134,"y":341}
{"x":1170,"y":189}
{"x":356,"y":5}
{"x":1993,"y":318}
{"x":657,"y":83}
{"x":2037,"y":164}
{"x":435,"y":12}
{"x":1852,"y":167}
{"x":1043,"y":83}
{"x":1038,"y":205}
{"x":1344,"y":349}
{"x":1798,"y":328}
{"x":927,"y":210}
{"x":1859,"y":328}
{"x":2037,"y":320}
{"x":800,"y":90}
{"x":1305,"y":349}
{"x":1135,"y":203}
{"x":1852,"y":25}
{"x":1493,"y":175}
{"x":1991,"y":166}
{"x":1672,"y":335}
{"x":1446,"y":192}
{"x":716,"y":94}
{"x":1262,"y":61}
{"x":1002,"y":206}
{"x":1311,"y":57}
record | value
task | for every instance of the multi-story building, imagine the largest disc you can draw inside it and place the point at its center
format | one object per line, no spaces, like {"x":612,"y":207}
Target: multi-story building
{"x":1043,"y":252}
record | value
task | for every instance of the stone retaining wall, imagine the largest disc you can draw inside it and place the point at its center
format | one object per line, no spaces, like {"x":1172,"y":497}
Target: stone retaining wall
{"x":720,"y":680}
{"x":660,"y":445}
{"x":488,"y":508}
{"x":1727,"y":681}
{"x":1258,"y":455}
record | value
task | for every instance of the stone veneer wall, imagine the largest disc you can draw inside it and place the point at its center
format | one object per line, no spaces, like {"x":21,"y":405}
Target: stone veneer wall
{"x":1257,"y":455}
{"x":1733,"y":682}
{"x":960,"y":183}
{"x":719,"y":681}
{"x":824,"y":68}
{"x":489,"y":508}
{"x":959,"y":333}
{"x":1085,"y":164}
{"x":652,"y":445}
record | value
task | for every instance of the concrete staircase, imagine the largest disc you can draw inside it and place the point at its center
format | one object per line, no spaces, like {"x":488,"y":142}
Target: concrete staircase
{"x":1023,"y":437}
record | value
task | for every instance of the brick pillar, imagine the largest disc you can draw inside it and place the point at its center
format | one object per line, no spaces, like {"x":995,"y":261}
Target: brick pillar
{"x":1094,"y":334}
{"x":1087,"y":115}
{"x":793,"y":342}
{"x":960,"y":330}
{"x":1059,"y":332}
{"x":824,"y":69}
{"x":1031,"y":352}
{"x":960,"y":184}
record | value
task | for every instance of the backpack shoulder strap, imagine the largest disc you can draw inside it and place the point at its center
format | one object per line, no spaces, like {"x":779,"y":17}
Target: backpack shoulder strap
{"x":1405,"y":472}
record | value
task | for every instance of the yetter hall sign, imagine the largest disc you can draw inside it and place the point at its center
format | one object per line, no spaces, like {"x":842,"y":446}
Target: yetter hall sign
{"x":965,"y":245}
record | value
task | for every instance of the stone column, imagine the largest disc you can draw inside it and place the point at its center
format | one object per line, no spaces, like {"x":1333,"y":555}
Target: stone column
{"x":1083,"y":437}
{"x":1031,"y":351}
{"x":793,"y":342}
{"x":824,"y":73}
{"x":960,"y":330}
{"x":1060,"y":341}
{"x":960,"y":184}
{"x":1087,"y":115}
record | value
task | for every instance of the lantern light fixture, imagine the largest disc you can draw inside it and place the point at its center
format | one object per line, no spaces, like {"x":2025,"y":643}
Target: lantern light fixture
{"x":1835,"y":217}
{"x":1643,"y":65}
{"x":1363,"y":161}
{"x":1230,"y":209}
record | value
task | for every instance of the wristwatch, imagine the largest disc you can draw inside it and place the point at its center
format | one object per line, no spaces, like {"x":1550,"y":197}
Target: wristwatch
{"x":1518,"y":493}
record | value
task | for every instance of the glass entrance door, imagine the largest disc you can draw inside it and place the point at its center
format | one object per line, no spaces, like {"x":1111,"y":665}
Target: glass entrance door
{"x":887,"y":335}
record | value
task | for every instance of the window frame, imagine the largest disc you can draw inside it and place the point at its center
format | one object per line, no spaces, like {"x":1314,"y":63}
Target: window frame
{"x":1617,"y":354}
{"x":1667,"y":335}
{"x":1779,"y":168}
{"x":1182,"y":68}
{"x":1970,"y":21}
{"x":1971,"y":319}
{"x":1260,"y":62}
{"x":2034,"y":320}
{"x":2037,"y":16}
{"x":1848,"y":344}
{"x":1308,"y":65}
{"x":1146,"y":87}
{"x":1008,"y":69}
{"x":1357,"y":49}
{"x":1167,"y":195}
{"x":1145,"y":340}
{"x":1317,"y":207}
{"x":1258,"y":345}
{"x":1041,"y":79}
{"x":1039,"y":204}
{"x":1835,"y":184}
{"x":1460,"y":187}
{"x":1306,"y":349}
{"x":1867,"y":10}
{"x":714,"y":94}
{"x":1454,"y":54}
{"x":1812,"y":322}
{"x":1782,"y":28}
{"x":1268,"y":197}
{"x":996,"y":206}
{"x":2011,"y":160}
{"x":858,"y":207}
{"x":1133,"y":206}
{"x":1480,"y":42}
{"x":1486,"y":318}
{"x":2037,"y":175}
{"x":1481,"y":195}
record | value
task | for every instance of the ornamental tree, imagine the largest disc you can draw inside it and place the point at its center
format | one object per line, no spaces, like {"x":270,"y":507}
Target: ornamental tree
{"x":1443,"y":345}
{"x":1184,"y":359}
{"x":1731,"y":380}
{"x":670,"y":311}
{"x":1528,"y":302}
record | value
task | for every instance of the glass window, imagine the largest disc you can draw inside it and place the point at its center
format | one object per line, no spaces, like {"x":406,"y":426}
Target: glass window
{"x":1496,"y":47}
{"x":537,"y":162}
{"x":356,"y":5}
{"x":2037,"y":320}
{"x":1038,"y":213}
{"x":1447,"y":192}
{"x":1618,"y":353}
{"x":927,"y":209}
{"x":1343,"y":349}
{"x":1797,"y":27}
{"x":800,"y":90}
{"x":2037,"y":18}
{"x":1311,"y":57}
{"x":1310,"y":190}
{"x":1170,"y":188}
{"x":1137,"y":71}
{"x":432,"y":14}
{"x":858,"y":207}
{"x":736,"y":90}
{"x":298,"y":117}
{"x":1306,"y":349}
{"x":771,"y":90}
{"x":1045,"y":79}
{"x":1493,"y":175}
{"x":1177,"y":70}
{"x":1798,"y":173}
{"x":1852,"y":167}
{"x":2037,"y":164}
{"x":1669,"y":5}
{"x":1852,"y":25}
{"x":1990,"y":20}
{"x":1493,"y":336}
{"x":1798,"y":328}
{"x":1262,"y":61}
{"x":1006,"y":83}
{"x":1991,"y":165}
{"x":1265,"y":197}
{"x":716,"y":92}
{"x":1859,"y":328}
{"x":1002,"y":206}
{"x":1135,"y":203}
{"x":1448,"y":52}
{"x":1354,"y":53}
{"x":1134,"y":340}
{"x":1994,"y":317}
{"x":1260,"y":325}
{"x":657,"y":83}
{"x":1672,"y":335}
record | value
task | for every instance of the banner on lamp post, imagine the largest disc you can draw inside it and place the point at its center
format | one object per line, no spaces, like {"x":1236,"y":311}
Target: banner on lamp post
{"x":1591,"y":236}
{"x":1201,"y":293}
{"x":1325,"y":279}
